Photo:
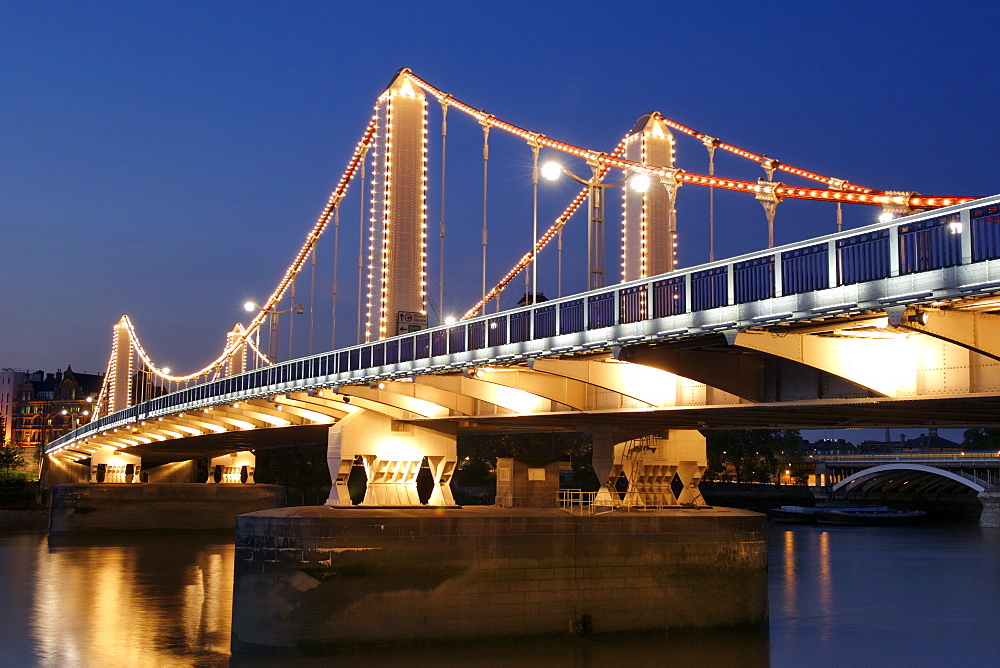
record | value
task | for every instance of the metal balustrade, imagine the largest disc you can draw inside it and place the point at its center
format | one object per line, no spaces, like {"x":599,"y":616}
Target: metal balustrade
{"x":948,"y":252}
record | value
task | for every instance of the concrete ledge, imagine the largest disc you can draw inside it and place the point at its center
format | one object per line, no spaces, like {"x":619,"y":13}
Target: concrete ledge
{"x":145,"y":507}
{"x":318,"y":580}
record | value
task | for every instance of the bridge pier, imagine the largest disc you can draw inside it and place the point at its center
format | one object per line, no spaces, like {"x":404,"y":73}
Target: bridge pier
{"x":392,"y":453}
{"x":990,"y":516}
{"x":237,"y":467}
{"x":111,"y":465}
{"x":662,"y":469}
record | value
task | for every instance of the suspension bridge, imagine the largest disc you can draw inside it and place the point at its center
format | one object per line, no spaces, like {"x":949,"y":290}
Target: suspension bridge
{"x":890,"y":324}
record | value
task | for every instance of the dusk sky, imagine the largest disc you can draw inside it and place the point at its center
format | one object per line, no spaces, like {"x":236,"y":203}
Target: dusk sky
{"x":166,"y":159}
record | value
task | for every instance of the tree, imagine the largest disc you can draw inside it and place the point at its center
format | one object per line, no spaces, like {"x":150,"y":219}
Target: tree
{"x":751,"y":455}
{"x":10,"y":458}
{"x":981,"y":438}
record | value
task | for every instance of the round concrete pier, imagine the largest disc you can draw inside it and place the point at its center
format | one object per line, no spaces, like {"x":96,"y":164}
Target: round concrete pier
{"x":317,"y":579}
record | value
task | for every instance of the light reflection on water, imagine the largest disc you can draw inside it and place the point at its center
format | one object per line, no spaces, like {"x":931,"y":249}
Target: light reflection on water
{"x":131,"y":600}
{"x":843,"y":595}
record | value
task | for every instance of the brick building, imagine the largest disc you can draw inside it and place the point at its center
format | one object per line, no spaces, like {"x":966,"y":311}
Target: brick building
{"x":46,"y":406}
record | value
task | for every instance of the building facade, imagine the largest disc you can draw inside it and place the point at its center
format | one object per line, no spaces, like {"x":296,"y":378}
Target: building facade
{"x":45,"y":406}
{"x":10,"y":383}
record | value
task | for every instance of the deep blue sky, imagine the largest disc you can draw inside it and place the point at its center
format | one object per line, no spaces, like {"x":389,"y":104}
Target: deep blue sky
{"x":165,"y":159}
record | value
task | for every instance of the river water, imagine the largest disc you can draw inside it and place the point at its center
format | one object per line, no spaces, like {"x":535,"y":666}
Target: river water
{"x":839,"y":596}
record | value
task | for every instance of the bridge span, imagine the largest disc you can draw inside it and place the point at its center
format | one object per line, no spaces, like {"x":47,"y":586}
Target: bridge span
{"x":888,"y":325}
{"x":892,"y":324}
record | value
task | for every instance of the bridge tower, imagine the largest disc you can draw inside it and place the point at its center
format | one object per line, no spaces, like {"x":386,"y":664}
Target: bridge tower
{"x":237,"y":361}
{"x":398,"y":224}
{"x":649,"y":220}
{"x":119,"y":392}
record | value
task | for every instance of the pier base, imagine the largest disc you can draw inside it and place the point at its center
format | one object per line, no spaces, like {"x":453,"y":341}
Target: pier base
{"x":315,"y":580}
{"x":990,"y":516}
{"x":148,"y":506}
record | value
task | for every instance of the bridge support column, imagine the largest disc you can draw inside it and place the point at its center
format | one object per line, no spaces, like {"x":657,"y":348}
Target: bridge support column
{"x":392,"y":453}
{"x":237,"y":467}
{"x":109,"y":465}
{"x":663,"y":469}
{"x":990,"y":499}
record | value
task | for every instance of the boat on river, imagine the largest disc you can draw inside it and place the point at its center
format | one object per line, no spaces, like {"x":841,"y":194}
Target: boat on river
{"x":845,"y":515}
{"x":866,"y":517}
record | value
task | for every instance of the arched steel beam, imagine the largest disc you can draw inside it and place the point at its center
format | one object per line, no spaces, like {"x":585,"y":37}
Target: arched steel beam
{"x":560,"y":389}
{"x":861,"y":476}
{"x":648,"y":385}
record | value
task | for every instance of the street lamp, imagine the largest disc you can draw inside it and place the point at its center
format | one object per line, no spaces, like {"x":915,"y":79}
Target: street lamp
{"x":272,"y":341}
{"x":595,"y":202}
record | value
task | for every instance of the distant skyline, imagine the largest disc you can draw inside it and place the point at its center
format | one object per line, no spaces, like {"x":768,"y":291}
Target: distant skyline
{"x":166,"y":159}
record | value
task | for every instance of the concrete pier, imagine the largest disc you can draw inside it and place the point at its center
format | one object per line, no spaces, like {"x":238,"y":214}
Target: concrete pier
{"x":148,"y":506}
{"x":990,"y":516}
{"x":315,"y":580}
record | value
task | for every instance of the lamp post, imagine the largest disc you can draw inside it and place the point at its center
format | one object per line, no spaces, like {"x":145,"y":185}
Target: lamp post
{"x":272,"y":341}
{"x":595,"y":204}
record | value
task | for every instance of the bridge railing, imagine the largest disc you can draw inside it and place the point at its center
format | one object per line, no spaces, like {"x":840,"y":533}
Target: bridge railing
{"x":896,"y":262}
{"x":970,"y":456}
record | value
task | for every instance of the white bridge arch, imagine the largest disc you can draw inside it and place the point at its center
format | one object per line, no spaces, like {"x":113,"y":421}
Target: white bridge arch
{"x":846,"y":484}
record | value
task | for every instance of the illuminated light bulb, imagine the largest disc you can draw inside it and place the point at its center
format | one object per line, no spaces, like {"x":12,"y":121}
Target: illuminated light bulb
{"x":551,"y":171}
{"x":886,"y":217}
{"x":639,"y":183}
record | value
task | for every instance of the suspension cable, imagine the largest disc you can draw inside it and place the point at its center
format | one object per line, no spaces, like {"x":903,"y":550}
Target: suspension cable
{"x":486,"y":163}
{"x":863,"y":196}
{"x":336,"y":255}
{"x":444,"y":155}
{"x":293,"y":269}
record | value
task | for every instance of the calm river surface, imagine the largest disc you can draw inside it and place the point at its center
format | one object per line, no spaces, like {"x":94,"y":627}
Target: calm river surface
{"x":840,"y":596}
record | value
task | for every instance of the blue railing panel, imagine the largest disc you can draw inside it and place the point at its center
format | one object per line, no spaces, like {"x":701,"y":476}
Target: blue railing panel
{"x":439,"y":342}
{"x":668,"y":297}
{"x":520,"y":326}
{"x":422,"y":346}
{"x":863,"y":257}
{"x":477,"y":335}
{"x":632,"y":304}
{"x":406,"y":349}
{"x":709,"y":289}
{"x":985,"y":222}
{"x":545,"y":321}
{"x":930,"y":244}
{"x":753,"y":280}
{"x":805,"y":269}
{"x":601,"y":310}
{"x":456,"y":339}
{"x":498,"y":331}
{"x":571,"y":317}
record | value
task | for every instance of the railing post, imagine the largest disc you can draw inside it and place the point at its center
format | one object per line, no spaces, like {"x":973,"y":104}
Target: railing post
{"x":894,"y":250}
{"x":777,"y":275}
{"x":965,"y":219}
{"x":730,"y":284}
{"x":688,"y":305}
{"x":831,"y":261}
